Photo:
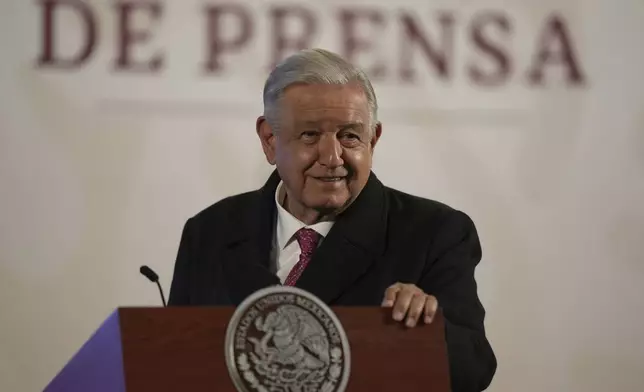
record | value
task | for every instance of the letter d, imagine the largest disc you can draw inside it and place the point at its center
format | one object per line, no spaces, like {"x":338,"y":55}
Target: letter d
{"x":48,"y":57}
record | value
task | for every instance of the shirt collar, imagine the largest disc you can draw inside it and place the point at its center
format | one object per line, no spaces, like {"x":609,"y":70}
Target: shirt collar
{"x":288,"y":225}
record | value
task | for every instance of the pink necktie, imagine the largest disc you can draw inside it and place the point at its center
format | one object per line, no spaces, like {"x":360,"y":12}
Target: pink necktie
{"x":308,"y":240}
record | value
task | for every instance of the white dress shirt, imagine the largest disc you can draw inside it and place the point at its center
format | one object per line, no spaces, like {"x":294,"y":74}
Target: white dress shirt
{"x":286,"y":250}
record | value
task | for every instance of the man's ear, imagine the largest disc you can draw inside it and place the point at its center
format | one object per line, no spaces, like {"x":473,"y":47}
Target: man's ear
{"x":377,"y":132}
{"x":267,"y":138}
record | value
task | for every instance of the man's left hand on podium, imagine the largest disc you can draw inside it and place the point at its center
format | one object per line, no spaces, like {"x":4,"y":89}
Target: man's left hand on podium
{"x":410,"y":301}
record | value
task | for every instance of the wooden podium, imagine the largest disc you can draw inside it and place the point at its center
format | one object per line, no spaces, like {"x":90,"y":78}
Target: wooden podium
{"x":182,"y":349}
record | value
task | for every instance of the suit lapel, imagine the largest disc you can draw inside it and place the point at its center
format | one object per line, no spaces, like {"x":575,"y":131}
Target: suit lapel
{"x":246,"y":270}
{"x":356,"y":240}
{"x":247,"y":257}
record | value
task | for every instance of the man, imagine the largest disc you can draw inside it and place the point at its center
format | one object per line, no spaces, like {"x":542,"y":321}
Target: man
{"x":325,"y":223}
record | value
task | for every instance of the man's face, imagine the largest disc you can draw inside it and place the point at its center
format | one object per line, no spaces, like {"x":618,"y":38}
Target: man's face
{"x":323,"y":148}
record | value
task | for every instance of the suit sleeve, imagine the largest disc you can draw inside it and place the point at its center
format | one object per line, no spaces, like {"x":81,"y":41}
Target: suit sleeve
{"x":180,"y":289}
{"x":450,"y":278}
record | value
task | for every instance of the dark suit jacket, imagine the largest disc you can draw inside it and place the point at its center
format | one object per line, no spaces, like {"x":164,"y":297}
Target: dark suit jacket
{"x":385,"y":236}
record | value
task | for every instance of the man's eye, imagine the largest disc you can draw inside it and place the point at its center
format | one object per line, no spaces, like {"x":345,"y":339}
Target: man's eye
{"x":350,"y":136}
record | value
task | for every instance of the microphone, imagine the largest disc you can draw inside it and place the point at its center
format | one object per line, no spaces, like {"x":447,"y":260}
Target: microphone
{"x":154,"y":278}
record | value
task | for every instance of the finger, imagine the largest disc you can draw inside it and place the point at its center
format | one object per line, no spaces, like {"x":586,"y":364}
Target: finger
{"x":431,"y":306}
{"x":390,"y":295}
{"x":416,"y":309}
{"x":403,"y":300}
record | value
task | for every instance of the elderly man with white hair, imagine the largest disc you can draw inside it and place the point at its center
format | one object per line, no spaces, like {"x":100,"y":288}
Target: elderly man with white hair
{"x":325,"y":223}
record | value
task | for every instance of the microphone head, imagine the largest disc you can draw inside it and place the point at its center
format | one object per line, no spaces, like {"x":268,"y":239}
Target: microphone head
{"x":148,"y":273}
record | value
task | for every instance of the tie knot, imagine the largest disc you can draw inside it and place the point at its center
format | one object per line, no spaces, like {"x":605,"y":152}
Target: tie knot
{"x":308,"y":240}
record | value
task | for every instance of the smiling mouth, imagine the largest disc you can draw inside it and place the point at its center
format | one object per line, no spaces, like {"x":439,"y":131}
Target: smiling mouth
{"x":330,"y":179}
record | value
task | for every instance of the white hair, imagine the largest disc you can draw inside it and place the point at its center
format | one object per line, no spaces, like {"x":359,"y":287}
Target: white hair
{"x":314,"y":66}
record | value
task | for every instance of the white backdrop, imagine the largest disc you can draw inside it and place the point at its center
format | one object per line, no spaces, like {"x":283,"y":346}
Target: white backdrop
{"x":100,"y":166}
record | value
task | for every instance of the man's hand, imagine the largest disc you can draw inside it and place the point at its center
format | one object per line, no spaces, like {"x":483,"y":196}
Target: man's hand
{"x":408,"y":300}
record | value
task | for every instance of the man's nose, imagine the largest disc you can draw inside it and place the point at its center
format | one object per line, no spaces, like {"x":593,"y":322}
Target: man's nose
{"x":330,"y":151}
